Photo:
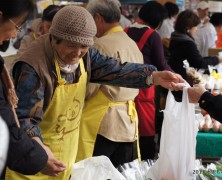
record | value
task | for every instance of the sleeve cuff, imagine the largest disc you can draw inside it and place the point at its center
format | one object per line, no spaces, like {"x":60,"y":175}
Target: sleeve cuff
{"x":204,"y":98}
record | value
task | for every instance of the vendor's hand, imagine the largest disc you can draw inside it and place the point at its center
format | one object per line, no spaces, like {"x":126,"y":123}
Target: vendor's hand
{"x":168,"y":80}
{"x":195,"y":93}
{"x":53,"y":166}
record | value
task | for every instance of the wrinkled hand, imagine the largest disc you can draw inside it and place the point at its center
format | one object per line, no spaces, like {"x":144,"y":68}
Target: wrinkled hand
{"x":53,"y":166}
{"x":168,"y":80}
{"x":195,"y":93}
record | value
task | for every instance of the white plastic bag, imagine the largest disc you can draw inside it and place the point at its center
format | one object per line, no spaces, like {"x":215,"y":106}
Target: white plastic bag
{"x":99,"y":168}
{"x":178,"y":142}
{"x":4,"y":142}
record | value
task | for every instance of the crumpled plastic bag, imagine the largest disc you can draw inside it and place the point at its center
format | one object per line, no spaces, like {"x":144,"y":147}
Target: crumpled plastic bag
{"x":4,"y":141}
{"x":99,"y":168}
{"x":135,"y":170}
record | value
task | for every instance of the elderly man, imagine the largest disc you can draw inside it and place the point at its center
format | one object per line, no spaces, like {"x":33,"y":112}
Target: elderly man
{"x":115,"y":129}
{"x":50,"y":81}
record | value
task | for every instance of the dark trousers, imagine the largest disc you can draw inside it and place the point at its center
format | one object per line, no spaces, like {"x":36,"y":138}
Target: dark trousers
{"x":147,"y":147}
{"x":117,"y":152}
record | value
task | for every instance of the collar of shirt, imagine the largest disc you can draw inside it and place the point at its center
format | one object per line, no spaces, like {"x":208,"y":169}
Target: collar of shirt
{"x":114,"y":29}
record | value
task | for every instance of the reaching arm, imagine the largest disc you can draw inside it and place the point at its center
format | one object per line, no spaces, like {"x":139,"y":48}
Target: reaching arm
{"x":210,"y":103}
{"x":110,"y":71}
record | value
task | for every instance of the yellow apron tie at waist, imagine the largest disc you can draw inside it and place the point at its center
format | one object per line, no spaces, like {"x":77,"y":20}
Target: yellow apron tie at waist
{"x":133,"y":114}
{"x":131,"y":108}
{"x":89,"y":125}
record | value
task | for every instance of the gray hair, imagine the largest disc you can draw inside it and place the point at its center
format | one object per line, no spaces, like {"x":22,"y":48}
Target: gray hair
{"x":108,"y":9}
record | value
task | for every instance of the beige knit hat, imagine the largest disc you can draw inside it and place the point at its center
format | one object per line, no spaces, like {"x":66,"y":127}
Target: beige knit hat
{"x":75,"y":24}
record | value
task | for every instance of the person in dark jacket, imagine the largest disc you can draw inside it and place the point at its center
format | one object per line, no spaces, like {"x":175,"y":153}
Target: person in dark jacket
{"x":210,"y":103}
{"x":182,"y":45}
{"x":25,"y":155}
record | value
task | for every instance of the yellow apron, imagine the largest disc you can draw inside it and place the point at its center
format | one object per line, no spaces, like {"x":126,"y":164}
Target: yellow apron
{"x":60,"y":125}
{"x":93,"y":114}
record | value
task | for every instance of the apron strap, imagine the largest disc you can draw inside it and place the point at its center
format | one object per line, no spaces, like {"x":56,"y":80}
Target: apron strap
{"x":143,"y":38}
{"x":34,"y":36}
{"x":61,"y":81}
{"x":82,"y":67}
{"x":133,"y":114}
{"x":131,"y":108}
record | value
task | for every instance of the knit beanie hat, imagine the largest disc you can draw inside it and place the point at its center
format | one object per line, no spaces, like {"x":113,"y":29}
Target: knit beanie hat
{"x":74,"y":24}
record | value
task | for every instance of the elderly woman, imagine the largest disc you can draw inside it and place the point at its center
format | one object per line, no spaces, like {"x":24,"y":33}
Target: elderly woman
{"x":51,"y":85}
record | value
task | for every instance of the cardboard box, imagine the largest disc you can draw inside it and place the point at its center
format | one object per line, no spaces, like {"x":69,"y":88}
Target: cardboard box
{"x":214,"y":51}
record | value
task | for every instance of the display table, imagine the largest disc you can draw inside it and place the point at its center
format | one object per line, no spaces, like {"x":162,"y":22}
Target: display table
{"x":209,"y":144}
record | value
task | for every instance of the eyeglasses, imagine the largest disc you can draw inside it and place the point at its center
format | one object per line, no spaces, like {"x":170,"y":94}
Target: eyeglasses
{"x":18,"y":28}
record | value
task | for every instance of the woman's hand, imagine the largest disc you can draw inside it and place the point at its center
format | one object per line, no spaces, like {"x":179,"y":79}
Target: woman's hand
{"x":53,"y":166}
{"x":168,"y":80}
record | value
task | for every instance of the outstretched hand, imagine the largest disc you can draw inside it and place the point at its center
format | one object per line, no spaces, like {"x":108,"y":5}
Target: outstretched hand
{"x":168,"y":80}
{"x":195,"y":93}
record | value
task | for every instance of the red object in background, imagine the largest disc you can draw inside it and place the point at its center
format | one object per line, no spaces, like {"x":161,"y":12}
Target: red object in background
{"x":145,"y":103}
{"x":145,"y":106}
{"x":138,"y":20}
{"x":219,"y":40}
